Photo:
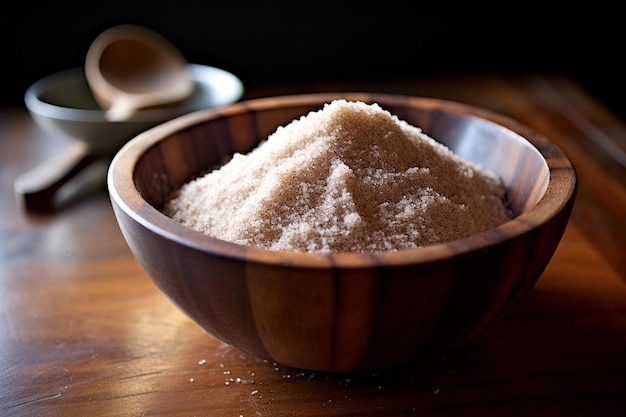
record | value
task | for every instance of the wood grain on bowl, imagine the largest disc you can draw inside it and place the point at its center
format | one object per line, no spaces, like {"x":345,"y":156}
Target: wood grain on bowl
{"x":342,"y":311}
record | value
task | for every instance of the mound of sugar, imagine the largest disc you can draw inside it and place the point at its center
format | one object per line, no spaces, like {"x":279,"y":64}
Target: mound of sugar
{"x":350,"y":177}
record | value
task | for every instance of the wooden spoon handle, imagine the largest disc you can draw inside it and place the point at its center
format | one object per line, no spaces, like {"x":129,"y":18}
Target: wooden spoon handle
{"x":122,"y":108}
{"x":36,"y":189}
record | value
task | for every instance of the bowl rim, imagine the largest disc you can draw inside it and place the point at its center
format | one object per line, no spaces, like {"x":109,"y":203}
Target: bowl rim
{"x":200,"y":74}
{"x":123,"y":193}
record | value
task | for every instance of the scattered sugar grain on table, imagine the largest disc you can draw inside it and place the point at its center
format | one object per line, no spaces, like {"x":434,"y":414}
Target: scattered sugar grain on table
{"x":350,"y":177}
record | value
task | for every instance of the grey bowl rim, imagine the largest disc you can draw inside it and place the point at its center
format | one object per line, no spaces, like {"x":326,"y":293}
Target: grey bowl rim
{"x":52,"y":111}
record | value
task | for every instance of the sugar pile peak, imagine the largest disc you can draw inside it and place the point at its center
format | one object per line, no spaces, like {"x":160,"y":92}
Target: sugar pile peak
{"x":350,"y":177}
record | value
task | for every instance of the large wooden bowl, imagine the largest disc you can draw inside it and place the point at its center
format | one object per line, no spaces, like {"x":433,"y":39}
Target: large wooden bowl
{"x":342,"y":311}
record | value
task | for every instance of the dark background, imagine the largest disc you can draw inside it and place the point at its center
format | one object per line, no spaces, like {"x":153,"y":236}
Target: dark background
{"x":277,"y":42}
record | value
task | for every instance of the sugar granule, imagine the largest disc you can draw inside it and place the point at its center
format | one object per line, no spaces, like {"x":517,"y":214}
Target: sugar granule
{"x":351,"y":177}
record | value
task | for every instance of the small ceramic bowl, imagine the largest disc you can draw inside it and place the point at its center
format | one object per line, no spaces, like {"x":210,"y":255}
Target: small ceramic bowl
{"x":342,"y":311}
{"x":62,"y":104}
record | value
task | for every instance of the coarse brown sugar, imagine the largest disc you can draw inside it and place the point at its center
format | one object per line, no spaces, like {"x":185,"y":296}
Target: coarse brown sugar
{"x":350,"y":177}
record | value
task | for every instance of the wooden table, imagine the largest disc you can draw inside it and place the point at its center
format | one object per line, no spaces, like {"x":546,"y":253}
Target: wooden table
{"x":83,"y":332}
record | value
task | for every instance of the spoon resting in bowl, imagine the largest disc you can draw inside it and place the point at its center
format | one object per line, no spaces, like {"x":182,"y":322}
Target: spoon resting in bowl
{"x":129,"y":67}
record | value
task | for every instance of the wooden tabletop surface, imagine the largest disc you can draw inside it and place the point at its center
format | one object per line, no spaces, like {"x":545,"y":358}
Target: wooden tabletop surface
{"x":83,"y":331}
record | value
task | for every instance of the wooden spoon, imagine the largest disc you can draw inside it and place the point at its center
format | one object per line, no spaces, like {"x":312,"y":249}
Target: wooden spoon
{"x":129,"y":67}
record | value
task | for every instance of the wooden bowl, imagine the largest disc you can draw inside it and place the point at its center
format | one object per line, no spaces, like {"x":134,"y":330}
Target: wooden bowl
{"x":342,"y":311}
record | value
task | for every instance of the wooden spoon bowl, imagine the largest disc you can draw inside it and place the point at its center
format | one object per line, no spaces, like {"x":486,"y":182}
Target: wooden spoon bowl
{"x":130,"y":67}
{"x":342,"y":311}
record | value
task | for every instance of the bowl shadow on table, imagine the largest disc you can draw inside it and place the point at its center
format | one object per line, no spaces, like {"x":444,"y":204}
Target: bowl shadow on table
{"x":533,"y":362}
{"x":530,"y":362}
